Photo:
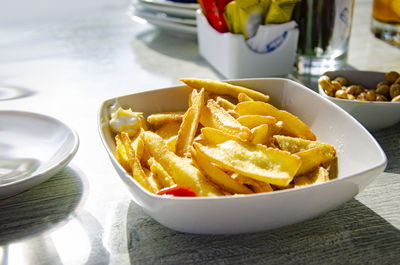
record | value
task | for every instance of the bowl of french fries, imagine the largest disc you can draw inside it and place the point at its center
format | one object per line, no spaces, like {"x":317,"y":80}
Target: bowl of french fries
{"x":238,"y":156}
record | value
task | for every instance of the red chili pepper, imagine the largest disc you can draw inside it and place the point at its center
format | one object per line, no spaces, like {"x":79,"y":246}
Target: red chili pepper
{"x":214,"y":11}
{"x":177,"y":190}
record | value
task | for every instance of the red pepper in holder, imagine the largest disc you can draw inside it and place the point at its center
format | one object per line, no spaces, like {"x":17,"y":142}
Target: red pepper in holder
{"x":214,"y":12}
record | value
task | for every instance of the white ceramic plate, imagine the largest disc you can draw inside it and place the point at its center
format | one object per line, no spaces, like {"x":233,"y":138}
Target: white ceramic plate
{"x":192,"y":6}
{"x":170,"y":10}
{"x":373,"y":115}
{"x":162,"y":17}
{"x":360,"y":160}
{"x":33,"y":147}
{"x":179,"y":28}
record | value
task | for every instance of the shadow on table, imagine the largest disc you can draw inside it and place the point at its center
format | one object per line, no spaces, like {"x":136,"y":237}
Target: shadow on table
{"x":350,"y":234}
{"x":40,"y":208}
{"x":389,"y":139}
{"x":174,"y":50}
{"x":8,"y":92}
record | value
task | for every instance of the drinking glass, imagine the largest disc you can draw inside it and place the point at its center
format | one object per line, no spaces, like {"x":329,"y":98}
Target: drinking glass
{"x":385,"y":22}
{"x":324,"y":35}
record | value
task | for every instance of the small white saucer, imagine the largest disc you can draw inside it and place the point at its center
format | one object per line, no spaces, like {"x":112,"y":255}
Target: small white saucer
{"x":33,"y":147}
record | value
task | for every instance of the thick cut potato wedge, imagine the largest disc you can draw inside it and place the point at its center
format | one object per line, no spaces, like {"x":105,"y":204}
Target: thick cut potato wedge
{"x":152,"y":180}
{"x":226,"y":104}
{"x":159,"y":119}
{"x":319,"y":175}
{"x":162,"y":176}
{"x":222,"y":88}
{"x":255,"y":161}
{"x":189,"y":124}
{"x":256,"y":185}
{"x":260,"y":134}
{"x":252,"y":121}
{"x":137,"y":171}
{"x":295,"y":145}
{"x":292,"y":125}
{"x":310,"y":159}
{"x":169,"y":130}
{"x":218,"y":176}
{"x":215,"y":136}
{"x":121,"y":153}
{"x":242,"y":97}
{"x":178,"y":168}
{"x":212,"y":115}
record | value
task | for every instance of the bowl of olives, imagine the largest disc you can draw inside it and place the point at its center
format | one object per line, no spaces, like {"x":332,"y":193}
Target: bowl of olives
{"x":372,"y":98}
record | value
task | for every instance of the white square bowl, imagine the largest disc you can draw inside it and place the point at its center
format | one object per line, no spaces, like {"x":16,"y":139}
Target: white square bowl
{"x":374,"y":115}
{"x":360,"y":160}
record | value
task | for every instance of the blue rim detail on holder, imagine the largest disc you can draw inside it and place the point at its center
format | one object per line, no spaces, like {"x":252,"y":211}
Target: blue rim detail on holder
{"x":274,"y":44}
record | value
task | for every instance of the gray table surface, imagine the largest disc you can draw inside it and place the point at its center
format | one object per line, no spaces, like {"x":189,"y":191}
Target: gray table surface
{"x":68,"y":62}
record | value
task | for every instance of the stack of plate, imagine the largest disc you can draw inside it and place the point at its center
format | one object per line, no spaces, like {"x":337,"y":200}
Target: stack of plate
{"x":169,"y":15}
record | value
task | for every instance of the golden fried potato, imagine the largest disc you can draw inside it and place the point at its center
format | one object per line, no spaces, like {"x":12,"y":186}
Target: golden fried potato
{"x":218,"y":87}
{"x":212,"y":115}
{"x":217,"y":175}
{"x":169,"y":130}
{"x":178,"y":168}
{"x":295,"y":145}
{"x":159,"y":119}
{"x":319,"y":175}
{"x":215,"y":136}
{"x":252,"y":121}
{"x":242,"y":97}
{"x":310,"y":159}
{"x":292,"y":125}
{"x":255,"y":161}
{"x":189,"y":124}
{"x":162,"y":176}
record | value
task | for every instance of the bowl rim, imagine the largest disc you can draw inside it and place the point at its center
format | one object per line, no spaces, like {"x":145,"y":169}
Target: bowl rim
{"x":130,"y":179}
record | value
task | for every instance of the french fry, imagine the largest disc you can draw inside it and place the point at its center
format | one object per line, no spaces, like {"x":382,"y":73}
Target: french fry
{"x":242,"y":97}
{"x":189,"y":124}
{"x":212,"y":115}
{"x":252,"y":121}
{"x":332,"y":168}
{"x":169,"y":130}
{"x":260,"y":134}
{"x":226,"y":104}
{"x":137,"y":171}
{"x":152,"y":180}
{"x":310,"y":159}
{"x":162,"y":176}
{"x":138,"y":146}
{"x":121,"y":153}
{"x":255,"y":161}
{"x":222,"y":88}
{"x":178,"y":168}
{"x":255,"y":185}
{"x":159,"y":119}
{"x":217,"y":175}
{"x":171,"y":143}
{"x":292,"y":125}
{"x":233,"y":114}
{"x":214,"y":136}
{"x":319,"y":175}
{"x":295,"y":145}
